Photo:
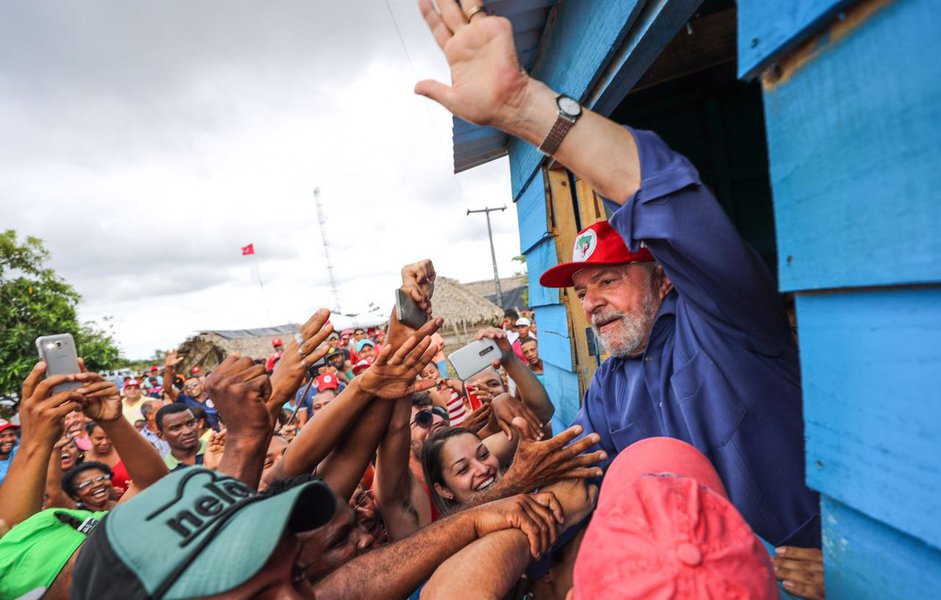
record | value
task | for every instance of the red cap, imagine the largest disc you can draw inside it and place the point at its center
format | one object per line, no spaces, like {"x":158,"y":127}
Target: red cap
{"x":131,"y":382}
{"x":361,"y":366}
{"x":195,"y":370}
{"x":665,"y":528}
{"x":277,"y":342}
{"x":154,"y":368}
{"x":4,"y":425}
{"x":595,"y":246}
{"x":327,"y":382}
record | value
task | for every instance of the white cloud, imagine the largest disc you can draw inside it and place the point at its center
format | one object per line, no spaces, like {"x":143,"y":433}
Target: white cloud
{"x":145,"y":143}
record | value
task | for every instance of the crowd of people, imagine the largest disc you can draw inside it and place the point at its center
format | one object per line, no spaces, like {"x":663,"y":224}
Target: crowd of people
{"x":354,"y":465}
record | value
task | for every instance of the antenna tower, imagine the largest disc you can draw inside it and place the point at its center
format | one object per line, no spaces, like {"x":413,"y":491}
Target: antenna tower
{"x":322,"y":219}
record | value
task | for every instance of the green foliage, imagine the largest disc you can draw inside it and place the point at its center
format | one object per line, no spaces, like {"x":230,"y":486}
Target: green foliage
{"x":35,"y":301}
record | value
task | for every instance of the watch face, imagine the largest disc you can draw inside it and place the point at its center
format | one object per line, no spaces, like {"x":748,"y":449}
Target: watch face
{"x":569,"y":106}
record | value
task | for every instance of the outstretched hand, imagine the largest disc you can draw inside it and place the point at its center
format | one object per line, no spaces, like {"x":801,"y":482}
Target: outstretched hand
{"x":418,"y":281}
{"x":537,"y":464}
{"x":537,"y":515}
{"x":394,"y":373}
{"x":101,"y":399}
{"x":240,"y":390}
{"x":296,"y":358}
{"x":506,"y":409}
{"x":42,"y":411}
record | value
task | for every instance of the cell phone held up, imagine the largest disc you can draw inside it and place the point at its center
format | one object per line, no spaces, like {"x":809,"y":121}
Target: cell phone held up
{"x":407,"y":310}
{"x":474,"y":358}
{"x":59,"y":353}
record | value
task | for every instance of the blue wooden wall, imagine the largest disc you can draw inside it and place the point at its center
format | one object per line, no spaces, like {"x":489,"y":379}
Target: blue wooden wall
{"x":853,"y":116}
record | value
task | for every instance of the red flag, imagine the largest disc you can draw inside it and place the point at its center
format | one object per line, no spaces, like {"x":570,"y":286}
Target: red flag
{"x":249,"y":249}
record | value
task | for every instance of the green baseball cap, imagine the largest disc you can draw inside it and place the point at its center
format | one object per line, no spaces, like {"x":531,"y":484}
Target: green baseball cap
{"x":33,"y":553}
{"x":193,"y":533}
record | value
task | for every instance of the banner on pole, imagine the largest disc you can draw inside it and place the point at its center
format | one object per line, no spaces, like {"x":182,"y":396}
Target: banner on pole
{"x":248,"y":250}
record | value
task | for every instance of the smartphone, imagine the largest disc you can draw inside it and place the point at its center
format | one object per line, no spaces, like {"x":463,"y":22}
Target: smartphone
{"x":407,"y":310}
{"x":474,"y":358}
{"x":58,"y":352}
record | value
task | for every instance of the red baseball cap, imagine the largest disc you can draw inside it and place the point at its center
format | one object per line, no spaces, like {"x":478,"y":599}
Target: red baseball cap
{"x":361,"y":366}
{"x":595,"y":246}
{"x":154,"y":368}
{"x":4,"y":425}
{"x":277,"y":342}
{"x":195,"y":370}
{"x":131,"y":383}
{"x":327,"y":382}
{"x":664,"y":528}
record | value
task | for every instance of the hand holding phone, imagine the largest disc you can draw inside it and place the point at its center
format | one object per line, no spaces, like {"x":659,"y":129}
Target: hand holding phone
{"x":59,"y":354}
{"x":407,"y":310}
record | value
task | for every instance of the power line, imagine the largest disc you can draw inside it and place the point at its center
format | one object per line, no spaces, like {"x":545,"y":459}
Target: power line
{"x":493,"y":253}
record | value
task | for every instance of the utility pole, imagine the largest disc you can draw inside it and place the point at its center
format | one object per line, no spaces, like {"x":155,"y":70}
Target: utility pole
{"x":322,"y":219}
{"x":493,"y":253}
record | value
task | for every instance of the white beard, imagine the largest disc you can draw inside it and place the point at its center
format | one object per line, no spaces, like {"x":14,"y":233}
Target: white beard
{"x":630,"y":338}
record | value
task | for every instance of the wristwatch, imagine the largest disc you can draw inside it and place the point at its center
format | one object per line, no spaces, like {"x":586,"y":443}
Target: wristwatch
{"x":569,"y":112}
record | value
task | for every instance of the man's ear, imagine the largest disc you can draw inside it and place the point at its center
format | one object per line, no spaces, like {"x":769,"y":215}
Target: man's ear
{"x":160,"y":435}
{"x":666,"y":286}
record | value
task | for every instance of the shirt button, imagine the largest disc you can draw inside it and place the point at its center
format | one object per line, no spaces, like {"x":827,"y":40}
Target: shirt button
{"x":689,"y":554}
{"x":648,"y":359}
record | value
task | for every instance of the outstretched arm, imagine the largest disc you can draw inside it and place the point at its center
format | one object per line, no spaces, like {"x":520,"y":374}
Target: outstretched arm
{"x":394,"y":481}
{"x":488,"y":87}
{"x":406,"y":563}
{"x":41,"y":414}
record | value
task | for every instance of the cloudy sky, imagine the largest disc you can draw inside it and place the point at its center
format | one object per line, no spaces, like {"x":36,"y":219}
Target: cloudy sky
{"x":145,"y":142}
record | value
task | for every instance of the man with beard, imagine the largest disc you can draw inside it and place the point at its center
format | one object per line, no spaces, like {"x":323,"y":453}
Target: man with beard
{"x":699,"y":340}
{"x":180,"y":429}
{"x":8,"y":446}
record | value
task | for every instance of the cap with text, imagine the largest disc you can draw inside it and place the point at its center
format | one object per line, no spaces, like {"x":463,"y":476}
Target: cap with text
{"x":595,"y":246}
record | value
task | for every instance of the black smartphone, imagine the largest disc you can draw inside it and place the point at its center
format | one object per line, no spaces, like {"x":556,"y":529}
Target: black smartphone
{"x":407,"y":310}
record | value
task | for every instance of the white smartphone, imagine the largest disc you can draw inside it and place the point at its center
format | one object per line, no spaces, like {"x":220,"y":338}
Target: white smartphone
{"x":474,"y":358}
{"x":58,"y":352}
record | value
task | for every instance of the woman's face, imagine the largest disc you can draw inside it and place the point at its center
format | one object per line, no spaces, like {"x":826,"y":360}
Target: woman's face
{"x":467,"y":467}
{"x":100,"y":442}
{"x":68,"y":453}
{"x":93,"y":489}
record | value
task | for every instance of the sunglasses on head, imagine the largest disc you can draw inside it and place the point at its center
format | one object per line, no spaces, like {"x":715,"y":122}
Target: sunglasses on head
{"x":424,"y":418}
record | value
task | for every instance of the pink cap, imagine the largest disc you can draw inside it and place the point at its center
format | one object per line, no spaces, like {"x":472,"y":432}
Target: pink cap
{"x":663,"y":530}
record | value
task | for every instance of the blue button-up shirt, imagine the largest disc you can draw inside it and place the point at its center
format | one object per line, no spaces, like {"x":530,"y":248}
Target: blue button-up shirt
{"x":720,"y":370}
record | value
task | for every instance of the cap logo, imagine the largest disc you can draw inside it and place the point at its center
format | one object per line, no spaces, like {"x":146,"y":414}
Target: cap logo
{"x":193,"y":512}
{"x":585,"y":245}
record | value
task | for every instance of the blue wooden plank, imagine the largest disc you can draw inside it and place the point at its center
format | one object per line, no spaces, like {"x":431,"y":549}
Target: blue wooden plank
{"x":865,"y":559}
{"x":538,"y":259}
{"x":766,"y":30}
{"x":854,"y":140}
{"x":581,"y":40}
{"x":555,"y":345}
{"x":562,"y":387}
{"x":531,"y":215}
{"x":871,"y":378}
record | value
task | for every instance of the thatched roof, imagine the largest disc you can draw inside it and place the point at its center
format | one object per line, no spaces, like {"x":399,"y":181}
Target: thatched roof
{"x":512,"y":288}
{"x":209,"y":348}
{"x":461,"y":308}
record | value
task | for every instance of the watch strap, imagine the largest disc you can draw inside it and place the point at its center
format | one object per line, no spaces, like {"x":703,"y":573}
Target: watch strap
{"x":553,"y":140}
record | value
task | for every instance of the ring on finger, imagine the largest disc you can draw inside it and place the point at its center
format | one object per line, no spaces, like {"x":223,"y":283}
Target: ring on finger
{"x":470,"y":15}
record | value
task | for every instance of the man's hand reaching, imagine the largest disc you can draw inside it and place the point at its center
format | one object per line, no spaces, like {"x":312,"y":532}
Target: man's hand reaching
{"x":536,"y":515}
{"x":101,"y":398}
{"x":418,"y":281}
{"x":240,"y":390}
{"x":538,"y":464}
{"x":394,"y":373}
{"x":296,"y":358}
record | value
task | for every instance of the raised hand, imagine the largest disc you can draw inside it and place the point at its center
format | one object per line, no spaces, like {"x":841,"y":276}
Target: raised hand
{"x":503,"y":343}
{"x":801,"y":571}
{"x":42,"y":411}
{"x":418,"y":280}
{"x":506,"y":408}
{"x":101,"y":399}
{"x":478,"y":419}
{"x":536,"y":515}
{"x":290,"y":370}
{"x":487,"y":84}
{"x":214,"y":450}
{"x":171,"y":359}
{"x":394,"y":374}
{"x":537,"y":464}
{"x":240,"y":390}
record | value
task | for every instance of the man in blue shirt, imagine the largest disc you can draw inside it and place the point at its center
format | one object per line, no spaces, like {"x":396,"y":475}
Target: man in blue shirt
{"x":700,"y":345}
{"x":701,"y":349}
